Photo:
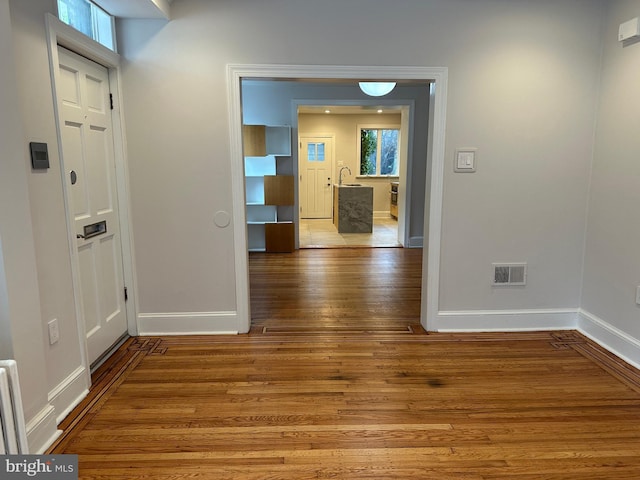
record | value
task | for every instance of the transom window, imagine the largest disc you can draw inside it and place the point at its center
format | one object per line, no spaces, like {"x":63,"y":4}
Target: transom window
{"x":379,"y":151}
{"x":88,"y":18}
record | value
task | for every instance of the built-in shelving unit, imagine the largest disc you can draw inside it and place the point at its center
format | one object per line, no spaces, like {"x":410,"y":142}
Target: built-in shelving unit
{"x":269,"y":188}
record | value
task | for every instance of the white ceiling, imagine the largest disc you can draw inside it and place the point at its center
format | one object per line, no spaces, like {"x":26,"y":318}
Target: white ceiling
{"x":136,"y":8}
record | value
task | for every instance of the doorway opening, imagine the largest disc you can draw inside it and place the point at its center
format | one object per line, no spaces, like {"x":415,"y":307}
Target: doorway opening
{"x":360,"y":148}
{"x":429,"y":170}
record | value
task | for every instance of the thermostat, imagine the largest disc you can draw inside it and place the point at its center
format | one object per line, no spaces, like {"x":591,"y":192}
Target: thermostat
{"x":39,"y":156}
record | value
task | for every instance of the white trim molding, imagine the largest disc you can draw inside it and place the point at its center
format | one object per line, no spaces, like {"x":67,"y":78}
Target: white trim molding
{"x":187,"y":323}
{"x":609,"y":337}
{"x":437,"y":77}
{"x":39,"y":428}
{"x":69,"y":393}
{"x":506,"y":320}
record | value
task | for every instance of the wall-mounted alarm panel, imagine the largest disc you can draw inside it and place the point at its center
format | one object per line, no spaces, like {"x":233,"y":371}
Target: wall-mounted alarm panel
{"x":39,"y":156}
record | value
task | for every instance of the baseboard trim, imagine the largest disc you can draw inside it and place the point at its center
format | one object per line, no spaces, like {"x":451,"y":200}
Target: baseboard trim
{"x":42,"y":430}
{"x":69,"y":393}
{"x":416,"y":242}
{"x":609,"y":337}
{"x":604,"y":334}
{"x":188,"y":323}
{"x":382,"y":214}
{"x":505,"y":320}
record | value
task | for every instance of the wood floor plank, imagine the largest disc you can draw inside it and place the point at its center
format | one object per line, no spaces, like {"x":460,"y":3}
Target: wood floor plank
{"x":332,"y":389}
{"x":366,"y":415}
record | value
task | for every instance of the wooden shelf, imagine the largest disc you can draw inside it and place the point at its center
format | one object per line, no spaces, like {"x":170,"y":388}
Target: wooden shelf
{"x":262,"y":140}
{"x":269,"y":188}
{"x":279,"y":237}
{"x":254,"y":140}
{"x":278,"y":190}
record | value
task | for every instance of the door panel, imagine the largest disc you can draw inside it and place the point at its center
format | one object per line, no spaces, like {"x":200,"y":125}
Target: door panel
{"x":72,"y":141}
{"x":87,"y":144}
{"x":100,"y":171}
{"x":111,"y":305}
{"x":316,"y":177}
{"x":96,"y":101}
{"x":87,"y":261}
{"x":69,"y":88}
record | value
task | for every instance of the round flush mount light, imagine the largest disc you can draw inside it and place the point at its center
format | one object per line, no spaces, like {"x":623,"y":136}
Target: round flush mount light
{"x":377,"y":89}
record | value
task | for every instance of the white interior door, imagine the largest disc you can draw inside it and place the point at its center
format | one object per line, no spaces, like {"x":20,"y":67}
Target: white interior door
{"x":87,"y":144}
{"x":316,"y":177}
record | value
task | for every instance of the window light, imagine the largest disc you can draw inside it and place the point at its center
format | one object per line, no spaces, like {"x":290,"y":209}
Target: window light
{"x":88,"y":18}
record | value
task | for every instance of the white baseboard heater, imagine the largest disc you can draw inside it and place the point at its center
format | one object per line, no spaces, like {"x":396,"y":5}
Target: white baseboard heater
{"x":14,"y":431}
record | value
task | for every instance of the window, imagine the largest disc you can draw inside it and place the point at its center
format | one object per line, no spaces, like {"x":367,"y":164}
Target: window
{"x":315,"y":152}
{"x":89,"y":19}
{"x":379,"y":151}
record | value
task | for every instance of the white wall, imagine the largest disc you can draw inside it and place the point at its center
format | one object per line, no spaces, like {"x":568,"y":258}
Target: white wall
{"x":20,"y":304}
{"x":345,"y":129}
{"x":612,"y":260}
{"x":523,"y":80}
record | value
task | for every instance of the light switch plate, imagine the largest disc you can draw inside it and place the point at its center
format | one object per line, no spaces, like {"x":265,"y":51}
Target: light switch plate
{"x":54,"y":331}
{"x":465,"y":160}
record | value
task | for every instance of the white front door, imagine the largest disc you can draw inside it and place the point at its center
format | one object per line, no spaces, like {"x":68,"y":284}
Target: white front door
{"x":316,"y":177}
{"x":89,"y":161}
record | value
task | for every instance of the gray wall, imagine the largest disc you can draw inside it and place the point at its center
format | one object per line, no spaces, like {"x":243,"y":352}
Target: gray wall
{"x":45,"y":190}
{"x":612,"y":261}
{"x":522,"y":89}
{"x":21,"y":326}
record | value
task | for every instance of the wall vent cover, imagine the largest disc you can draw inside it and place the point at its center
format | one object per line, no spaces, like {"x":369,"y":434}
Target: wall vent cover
{"x":509,"y":274}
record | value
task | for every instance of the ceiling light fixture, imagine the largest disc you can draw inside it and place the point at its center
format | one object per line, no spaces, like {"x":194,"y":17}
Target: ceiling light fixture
{"x":377,"y":89}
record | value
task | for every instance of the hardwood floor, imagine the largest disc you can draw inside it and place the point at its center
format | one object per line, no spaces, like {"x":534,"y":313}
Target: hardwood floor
{"x":348,"y":290}
{"x":315,"y":396}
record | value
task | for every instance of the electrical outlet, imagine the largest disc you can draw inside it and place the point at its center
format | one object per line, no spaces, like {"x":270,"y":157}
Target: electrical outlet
{"x":54,"y":331}
{"x":638,"y":295}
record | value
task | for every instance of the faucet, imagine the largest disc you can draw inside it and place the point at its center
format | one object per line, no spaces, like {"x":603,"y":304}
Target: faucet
{"x":340,"y":174}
